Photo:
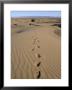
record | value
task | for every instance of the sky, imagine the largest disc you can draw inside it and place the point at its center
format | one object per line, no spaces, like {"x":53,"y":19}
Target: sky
{"x":35,"y":13}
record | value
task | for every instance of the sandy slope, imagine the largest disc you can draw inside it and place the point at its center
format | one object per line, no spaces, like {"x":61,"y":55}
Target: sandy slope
{"x":36,"y":54}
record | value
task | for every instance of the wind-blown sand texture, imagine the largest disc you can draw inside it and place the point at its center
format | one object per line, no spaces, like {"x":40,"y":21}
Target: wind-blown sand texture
{"x":35,"y":48}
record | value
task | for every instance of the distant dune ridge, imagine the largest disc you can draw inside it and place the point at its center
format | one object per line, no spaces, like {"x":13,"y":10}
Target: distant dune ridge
{"x":35,"y":48}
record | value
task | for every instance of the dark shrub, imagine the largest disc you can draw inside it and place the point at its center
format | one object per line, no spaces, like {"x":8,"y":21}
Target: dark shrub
{"x":32,"y":20}
{"x":15,"y":24}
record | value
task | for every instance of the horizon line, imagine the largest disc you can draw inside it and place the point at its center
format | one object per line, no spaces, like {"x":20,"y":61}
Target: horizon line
{"x":36,"y":17}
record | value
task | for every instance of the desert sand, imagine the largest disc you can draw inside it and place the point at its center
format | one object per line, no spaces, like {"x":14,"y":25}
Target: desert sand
{"x":35,"y":48}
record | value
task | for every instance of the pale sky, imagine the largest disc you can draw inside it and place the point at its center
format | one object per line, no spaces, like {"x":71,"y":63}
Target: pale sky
{"x":35,"y":13}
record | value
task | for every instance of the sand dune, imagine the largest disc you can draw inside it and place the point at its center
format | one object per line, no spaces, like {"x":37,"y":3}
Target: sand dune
{"x":35,"y":51}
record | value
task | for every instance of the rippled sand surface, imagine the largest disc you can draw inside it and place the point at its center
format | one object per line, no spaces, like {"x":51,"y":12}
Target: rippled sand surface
{"x":35,"y":49}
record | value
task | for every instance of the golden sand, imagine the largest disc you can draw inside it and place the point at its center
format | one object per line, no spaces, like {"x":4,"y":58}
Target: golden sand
{"x":35,"y":49}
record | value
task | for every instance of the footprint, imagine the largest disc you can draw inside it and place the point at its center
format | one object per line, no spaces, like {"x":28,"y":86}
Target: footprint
{"x":36,"y":72}
{"x":33,"y":49}
{"x":35,"y":40}
{"x":38,"y":41}
{"x":38,"y":55}
{"x":38,"y":64}
{"x":38,"y":46}
{"x":39,"y":74}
